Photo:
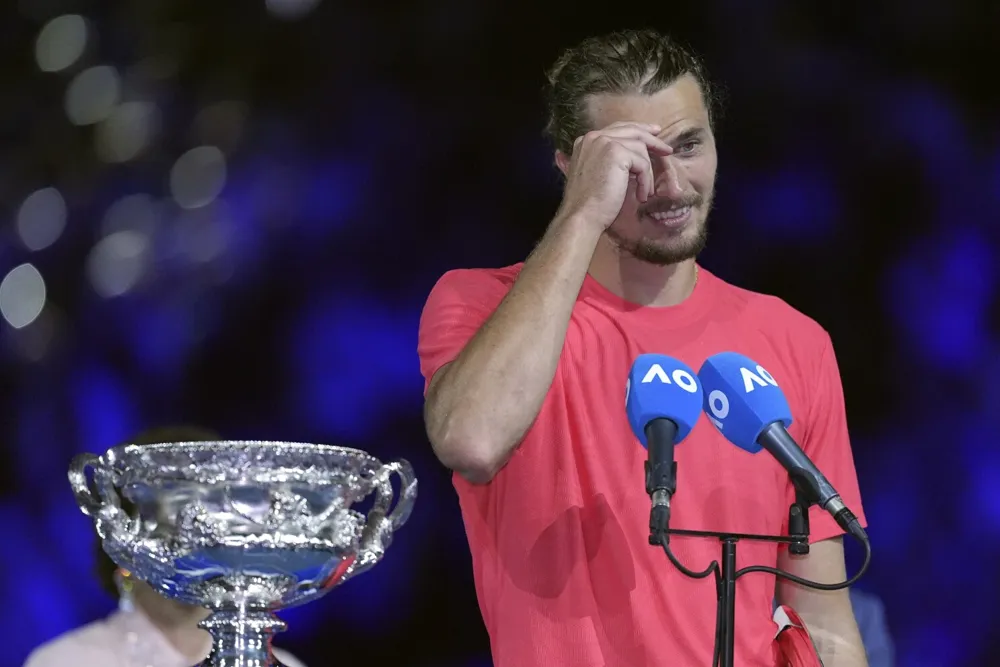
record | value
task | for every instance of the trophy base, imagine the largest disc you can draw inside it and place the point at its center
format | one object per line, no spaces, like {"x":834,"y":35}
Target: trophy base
{"x":241,"y":637}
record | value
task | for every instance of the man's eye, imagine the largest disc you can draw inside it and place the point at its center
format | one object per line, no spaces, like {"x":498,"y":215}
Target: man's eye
{"x":687,"y":147}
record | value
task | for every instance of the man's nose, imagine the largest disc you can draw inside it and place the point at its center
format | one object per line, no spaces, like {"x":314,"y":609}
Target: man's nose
{"x":668,"y":181}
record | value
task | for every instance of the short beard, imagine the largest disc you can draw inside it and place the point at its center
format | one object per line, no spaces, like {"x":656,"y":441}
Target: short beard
{"x":662,"y":253}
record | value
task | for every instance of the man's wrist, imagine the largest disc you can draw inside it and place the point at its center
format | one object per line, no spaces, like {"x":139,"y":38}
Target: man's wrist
{"x":578,"y":225}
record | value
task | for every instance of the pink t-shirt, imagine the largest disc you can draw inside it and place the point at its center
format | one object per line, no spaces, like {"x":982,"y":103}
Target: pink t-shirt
{"x":564,"y":574}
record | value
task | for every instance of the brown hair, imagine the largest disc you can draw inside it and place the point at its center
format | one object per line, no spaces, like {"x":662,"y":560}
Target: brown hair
{"x":104,"y":567}
{"x":628,"y":61}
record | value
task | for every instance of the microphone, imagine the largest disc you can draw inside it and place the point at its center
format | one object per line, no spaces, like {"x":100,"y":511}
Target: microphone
{"x":748,"y":407}
{"x":663,"y":402}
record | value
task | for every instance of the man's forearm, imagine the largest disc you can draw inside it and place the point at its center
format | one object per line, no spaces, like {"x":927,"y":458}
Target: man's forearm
{"x":486,"y":399}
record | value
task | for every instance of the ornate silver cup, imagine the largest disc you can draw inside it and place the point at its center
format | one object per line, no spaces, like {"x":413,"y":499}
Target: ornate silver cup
{"x":242,"y":528}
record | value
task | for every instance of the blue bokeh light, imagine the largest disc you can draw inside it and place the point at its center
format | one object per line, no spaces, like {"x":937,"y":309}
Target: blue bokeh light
{"x":939,"y":294}
{"x":798,"y":203}
{"x":103,"y":407}
{"x":353,"y":364}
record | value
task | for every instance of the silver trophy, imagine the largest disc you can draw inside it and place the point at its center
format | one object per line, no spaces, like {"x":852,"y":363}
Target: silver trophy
{"x":243,"y":528}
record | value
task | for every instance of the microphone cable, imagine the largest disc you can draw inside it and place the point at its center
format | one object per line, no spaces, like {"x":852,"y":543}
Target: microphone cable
{"x":714,"y":567}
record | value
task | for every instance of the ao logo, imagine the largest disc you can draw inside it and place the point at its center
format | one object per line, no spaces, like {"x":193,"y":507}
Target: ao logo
{"x":681,"y":378}
{"x":718,"y":402}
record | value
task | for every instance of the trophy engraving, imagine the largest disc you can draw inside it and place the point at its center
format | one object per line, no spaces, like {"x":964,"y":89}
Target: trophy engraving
{"x":243,"y":528}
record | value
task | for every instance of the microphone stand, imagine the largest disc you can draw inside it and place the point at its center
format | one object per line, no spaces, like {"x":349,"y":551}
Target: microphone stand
{"x":798,"y":544}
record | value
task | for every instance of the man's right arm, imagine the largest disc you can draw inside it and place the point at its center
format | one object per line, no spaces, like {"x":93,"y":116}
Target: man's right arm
{"x":480,"y":405}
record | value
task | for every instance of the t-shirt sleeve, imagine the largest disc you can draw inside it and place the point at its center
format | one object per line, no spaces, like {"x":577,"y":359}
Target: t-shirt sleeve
{"x":827,"y":443}
{"x":458,"y":305}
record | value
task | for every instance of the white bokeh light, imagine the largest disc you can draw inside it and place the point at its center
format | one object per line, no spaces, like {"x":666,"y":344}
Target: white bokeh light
{"x":92,"y":95}
{"x":203,"y":235}
{"x":198,"y":177}
{"x":61,"y":42}
{"x":118,"y":262}
{"x":126,"y":132}
{"x":22,"y":296}
{"x":135,"y":213}
{"x":41,"y":218}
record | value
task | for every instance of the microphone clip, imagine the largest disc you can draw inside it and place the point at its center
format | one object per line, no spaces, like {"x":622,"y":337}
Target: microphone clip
{"x":798,"y":522}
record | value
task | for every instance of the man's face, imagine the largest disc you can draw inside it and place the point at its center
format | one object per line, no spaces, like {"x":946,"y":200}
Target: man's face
{"x":672,"y":225}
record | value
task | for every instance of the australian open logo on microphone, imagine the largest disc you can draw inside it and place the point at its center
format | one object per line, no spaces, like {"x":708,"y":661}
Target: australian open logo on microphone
{"x":761,"y":378}
{"x":680,"y":377}
{"x":718,"y":402}
{"x":718,"y":406}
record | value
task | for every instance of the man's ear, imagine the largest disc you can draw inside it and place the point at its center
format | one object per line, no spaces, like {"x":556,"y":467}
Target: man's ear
{"x":562,"y":161}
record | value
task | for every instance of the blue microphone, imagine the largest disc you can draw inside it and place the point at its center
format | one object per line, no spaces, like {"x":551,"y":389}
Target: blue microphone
{"x":663,"y":403}
{"x":748,"y":407}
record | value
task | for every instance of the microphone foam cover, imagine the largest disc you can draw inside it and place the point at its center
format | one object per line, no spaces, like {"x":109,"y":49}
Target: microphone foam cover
{"x":659,"y":386}
{"x":742,"y":398}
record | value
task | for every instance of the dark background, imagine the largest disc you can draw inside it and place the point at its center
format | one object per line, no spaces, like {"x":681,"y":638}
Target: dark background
{"x":269,"y":283}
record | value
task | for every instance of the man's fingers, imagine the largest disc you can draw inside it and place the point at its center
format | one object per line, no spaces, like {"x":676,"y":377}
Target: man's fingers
{"x":628,"y":131}
{"x":648,"y":127}
{"x":637,"y":162}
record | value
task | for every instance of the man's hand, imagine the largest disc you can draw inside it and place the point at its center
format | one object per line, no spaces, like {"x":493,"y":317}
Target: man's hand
{"x":603,"y":166}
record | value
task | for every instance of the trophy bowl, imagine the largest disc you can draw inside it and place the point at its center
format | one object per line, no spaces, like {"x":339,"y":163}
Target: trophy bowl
{"x":243,"y":528}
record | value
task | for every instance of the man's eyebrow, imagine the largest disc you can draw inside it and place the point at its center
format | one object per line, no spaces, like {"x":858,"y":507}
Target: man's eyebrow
{"x":689,"y":134}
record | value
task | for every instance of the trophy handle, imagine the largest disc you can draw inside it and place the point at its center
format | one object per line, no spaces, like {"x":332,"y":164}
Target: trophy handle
{"x":105,"y":508}
{"x":384,"y":517}
{"x":407,"y":492}
{"x":89,"y":503}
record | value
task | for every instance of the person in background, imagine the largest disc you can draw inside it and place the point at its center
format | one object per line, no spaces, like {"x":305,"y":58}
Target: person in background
{"x":147,"y":629}
{"x":870,"y":614}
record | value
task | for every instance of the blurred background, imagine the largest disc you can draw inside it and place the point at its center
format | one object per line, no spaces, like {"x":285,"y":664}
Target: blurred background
{"x":230,"y":214}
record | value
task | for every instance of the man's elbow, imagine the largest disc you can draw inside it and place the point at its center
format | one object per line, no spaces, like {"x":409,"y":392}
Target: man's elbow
{"x":472,"y":457}
{"x":461,"y":442}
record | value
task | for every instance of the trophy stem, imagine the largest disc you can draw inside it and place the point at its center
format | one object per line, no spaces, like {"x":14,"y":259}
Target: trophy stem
{"x":241,"y":637}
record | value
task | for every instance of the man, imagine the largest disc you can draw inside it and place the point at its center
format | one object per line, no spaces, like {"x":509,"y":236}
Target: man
{"x":147,"y":630}
{"x":525,"y":369}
